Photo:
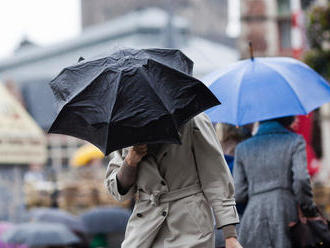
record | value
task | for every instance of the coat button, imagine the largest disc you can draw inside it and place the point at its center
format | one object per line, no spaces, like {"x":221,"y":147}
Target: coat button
{"x":139,"y":215}
{"x":163,"y":183}
{"x":164,"y":213}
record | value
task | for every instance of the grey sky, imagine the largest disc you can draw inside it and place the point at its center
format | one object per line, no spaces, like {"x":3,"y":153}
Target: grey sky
{"x":42,"y":21}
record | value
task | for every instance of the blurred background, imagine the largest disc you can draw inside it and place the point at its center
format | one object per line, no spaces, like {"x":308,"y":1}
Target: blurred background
{"x":40,"y":37}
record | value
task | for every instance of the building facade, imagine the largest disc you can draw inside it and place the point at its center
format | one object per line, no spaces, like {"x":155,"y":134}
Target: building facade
{"x":207,"y":18}
{"x":267,"y":23}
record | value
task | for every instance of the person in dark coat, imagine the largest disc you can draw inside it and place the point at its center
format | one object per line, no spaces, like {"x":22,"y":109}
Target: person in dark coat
{"x":270,"y":175}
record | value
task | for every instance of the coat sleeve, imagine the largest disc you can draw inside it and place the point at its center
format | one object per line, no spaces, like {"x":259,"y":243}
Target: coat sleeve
{"x":214,"y":175}
{"x":111,"y":181}
{"x":301,"y":181}
{"x":241,"y":184}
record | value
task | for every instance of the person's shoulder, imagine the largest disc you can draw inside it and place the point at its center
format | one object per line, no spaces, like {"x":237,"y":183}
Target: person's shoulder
{"x":200,"y":119}
{"x":297,"y":138}
{"x":245,"y":143}
{"x":285,"y":138}
{"x":292,"y":137}
{"x":295,"y":135}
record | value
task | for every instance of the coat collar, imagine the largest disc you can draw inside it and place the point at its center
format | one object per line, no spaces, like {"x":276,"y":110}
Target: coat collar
{"x":271,"y":127}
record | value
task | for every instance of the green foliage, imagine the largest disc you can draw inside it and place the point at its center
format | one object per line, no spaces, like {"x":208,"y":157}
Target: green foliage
{"x":318,"y":29}
{"x":319,"y":60}
{"x":318,"y":33}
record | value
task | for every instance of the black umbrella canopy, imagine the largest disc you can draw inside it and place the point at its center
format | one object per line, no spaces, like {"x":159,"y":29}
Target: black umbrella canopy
{"x":130,"y":97}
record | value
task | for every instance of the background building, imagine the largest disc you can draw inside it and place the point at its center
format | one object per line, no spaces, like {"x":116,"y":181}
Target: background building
{"x":207,"y":18}
{"x":271,"y":26}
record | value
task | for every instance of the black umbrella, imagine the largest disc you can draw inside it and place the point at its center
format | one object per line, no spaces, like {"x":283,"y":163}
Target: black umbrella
{"x":40,"y":234}
{"x":106,"y":220}
{"x":130,"y":97}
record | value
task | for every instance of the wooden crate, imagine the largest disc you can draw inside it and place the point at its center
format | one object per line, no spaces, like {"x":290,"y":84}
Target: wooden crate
{"x":36,"y":197}
{"x":79,"y":196}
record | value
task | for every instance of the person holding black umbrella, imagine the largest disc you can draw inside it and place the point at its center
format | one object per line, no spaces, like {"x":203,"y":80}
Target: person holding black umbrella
{"x":176,"y":185}
{"x":149,"y":96}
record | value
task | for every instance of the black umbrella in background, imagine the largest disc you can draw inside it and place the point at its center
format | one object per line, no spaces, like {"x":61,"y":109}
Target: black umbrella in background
{"x":130,"y":97}
{"x":40,"y":234}
{"x":51,"y":215}
{"x":106,"y":220}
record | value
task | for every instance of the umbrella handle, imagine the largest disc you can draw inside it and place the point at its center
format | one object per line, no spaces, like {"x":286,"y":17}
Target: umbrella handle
{"x":251,"y":50}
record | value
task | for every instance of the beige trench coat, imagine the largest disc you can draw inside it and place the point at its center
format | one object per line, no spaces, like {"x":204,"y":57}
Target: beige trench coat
{"x":176,"y":191}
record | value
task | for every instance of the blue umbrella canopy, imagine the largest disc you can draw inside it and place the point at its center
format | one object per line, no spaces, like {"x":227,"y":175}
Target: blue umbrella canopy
{"x":106,"y":220}
{"x":40,"y":234}
{"x":52,"y":215}
{"x":265,"y":88}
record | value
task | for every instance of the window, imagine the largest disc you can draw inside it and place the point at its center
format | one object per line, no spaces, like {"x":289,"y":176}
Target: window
{"x":283,"y":7}
{"x":284,"y":34}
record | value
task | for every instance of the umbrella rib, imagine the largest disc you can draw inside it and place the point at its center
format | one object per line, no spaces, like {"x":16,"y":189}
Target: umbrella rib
{"x":63,"y":103}
{"x":209,"y":79}
{"x":113,"y":105}
{"x":288,"y":83}
{"x":240,"y":92}
{"x":155,"y":92}
{"x":110,"y":117}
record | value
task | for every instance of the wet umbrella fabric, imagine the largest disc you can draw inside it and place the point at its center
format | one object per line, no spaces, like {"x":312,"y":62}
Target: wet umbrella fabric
{"x":106,"y":220}
{"x":130,"y":97}
{"x":40,"y":234}
{"x":58,"y":216}
{"x":265,"y":88}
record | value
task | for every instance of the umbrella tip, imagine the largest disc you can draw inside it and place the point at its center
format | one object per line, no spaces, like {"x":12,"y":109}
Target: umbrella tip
{"x":81,"y":59}
{"x":251,"y":50}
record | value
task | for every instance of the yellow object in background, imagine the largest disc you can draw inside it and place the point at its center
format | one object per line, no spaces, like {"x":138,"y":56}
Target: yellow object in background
{"x":85,"y":154}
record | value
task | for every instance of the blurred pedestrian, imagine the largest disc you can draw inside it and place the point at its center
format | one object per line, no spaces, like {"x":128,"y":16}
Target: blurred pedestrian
{"x":270,"y":174}
{"x":176,"y":185}
{"x":230,"y":137}
{"x":35,"y":173}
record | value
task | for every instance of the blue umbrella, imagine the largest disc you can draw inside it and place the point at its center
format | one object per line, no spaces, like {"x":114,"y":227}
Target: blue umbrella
{"x":106,"y":220}
{"x":265,"y":88}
